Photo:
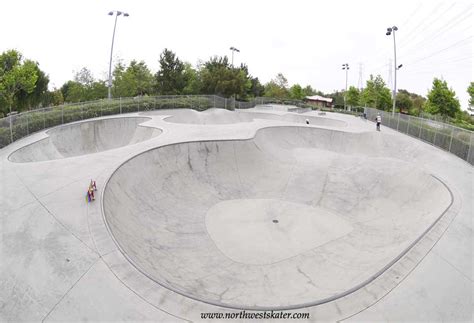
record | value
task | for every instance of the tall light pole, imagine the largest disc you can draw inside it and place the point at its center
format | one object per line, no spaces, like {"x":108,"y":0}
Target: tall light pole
{"x":233,"y":49}
{"x":346,"y":68}
{"x":392,"y":30}
{"x":117,"y":13}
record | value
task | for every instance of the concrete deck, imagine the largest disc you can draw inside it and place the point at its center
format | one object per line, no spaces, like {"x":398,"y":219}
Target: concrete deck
{"x":370,"y":226}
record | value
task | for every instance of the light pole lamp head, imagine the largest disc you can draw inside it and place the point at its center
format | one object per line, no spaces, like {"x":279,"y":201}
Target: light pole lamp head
{"x":395,"y":28}
{"x":125,"y":14}
{"x":119,"y":13}
{"x":111,"y":13}
{"x":399,"y":66}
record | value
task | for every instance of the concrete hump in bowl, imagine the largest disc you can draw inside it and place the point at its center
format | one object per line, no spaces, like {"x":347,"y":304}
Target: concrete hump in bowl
{"x":84,"y":138}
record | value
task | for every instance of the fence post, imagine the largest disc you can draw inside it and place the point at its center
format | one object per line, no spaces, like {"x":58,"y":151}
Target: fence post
{"x":422,"y":121}
{"x":451,"y":140}
{"x":408,"y":127}
{"x":44,"y":120}
{"x":27,"y":125}
{"x":62,"y":114}
{"x":470,"y":148}
{"x":120,"y":105}
{"x":398,"y":121}
{"x":11,"y":129}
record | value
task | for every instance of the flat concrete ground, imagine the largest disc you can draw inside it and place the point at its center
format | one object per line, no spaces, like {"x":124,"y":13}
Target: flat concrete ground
{"x":219,"y":211}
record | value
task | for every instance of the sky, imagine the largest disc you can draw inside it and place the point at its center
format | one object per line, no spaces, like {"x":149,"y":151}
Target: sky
{"x":307,"y":41}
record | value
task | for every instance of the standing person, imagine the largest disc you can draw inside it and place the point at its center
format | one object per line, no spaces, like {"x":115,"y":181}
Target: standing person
{"x":378,"y":120}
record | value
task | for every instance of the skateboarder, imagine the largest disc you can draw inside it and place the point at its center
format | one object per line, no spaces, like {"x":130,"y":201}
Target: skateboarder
{"x":378,"y":120}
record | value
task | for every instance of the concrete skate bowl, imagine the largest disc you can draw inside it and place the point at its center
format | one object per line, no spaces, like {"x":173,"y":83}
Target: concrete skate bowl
{"x":292,"y":218}
{"x":221,"y":116}
{"x":85,"y":138}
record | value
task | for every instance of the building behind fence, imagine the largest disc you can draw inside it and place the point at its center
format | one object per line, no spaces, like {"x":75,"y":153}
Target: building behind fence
{"x":447,"y":137}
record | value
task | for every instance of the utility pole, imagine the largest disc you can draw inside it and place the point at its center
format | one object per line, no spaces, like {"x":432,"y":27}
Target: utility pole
{"x":346,"y":68}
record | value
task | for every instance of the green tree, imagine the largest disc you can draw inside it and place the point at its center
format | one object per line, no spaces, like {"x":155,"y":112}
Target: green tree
{"x":470,"y":91}
{"x":16,"y":75}
{"x":404,"y":101}
{"x":171,"y":78}
{"x":309,"y":91}
{"x":218,"y":77}
{"x":442,"y":100}
{"x":353,"y":96}
{"x":193,"y":81}
{"x":376,"y":94}
{"x":296,"y":92}
{"x":37,"y":97}
{"x":84,"y":87}
{"x":135,"y":79}
{"x":256,"y":88}
{"x":277,"y":87}
{"x":337,"y":98}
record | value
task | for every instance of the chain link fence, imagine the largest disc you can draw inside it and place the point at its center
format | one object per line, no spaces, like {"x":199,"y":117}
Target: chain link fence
{"x":17,"y":126}
{"x":447,"y":137}
{"x":455,"y":140}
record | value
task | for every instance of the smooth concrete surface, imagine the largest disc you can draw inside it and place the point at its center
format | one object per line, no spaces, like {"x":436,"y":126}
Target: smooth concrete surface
{"x":61,"y":261}
{"x":221,"y":116}
{"x":370,"y":209}
{"x":86,"y":138}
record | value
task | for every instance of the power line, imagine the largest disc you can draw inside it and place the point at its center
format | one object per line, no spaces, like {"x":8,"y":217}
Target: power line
{"x":439,"y":32}
{"x":412,"y":14}
{"x":420,"y":33}
{"x":441,"y":50}
{"x":422,"y":22}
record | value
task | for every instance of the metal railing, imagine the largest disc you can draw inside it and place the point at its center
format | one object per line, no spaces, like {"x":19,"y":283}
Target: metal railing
{"x":453,"y":139}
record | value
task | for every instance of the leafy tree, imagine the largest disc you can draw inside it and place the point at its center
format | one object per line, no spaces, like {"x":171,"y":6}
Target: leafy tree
{"x":353,"y":96}
{"x":376,"y":94}
{"x":83,"y":88}
{"x":296,"y":92}
{"x":136,"y":79}
{"x":256,"y":88}
{"x":337,"y":98}
{"x":309,"y":91}
{"x":84,"y":77}
{"x":218,"y":77}
{"x":16,"y":75}
{"x":404,"y":101}
{"x":73,"y":91}
{"x":442,"y":100}
{"x":193,"y":81}
{"x":277,"y":87}
{"x":470,"y":90}
{"x":170,"y":79}
{"x":36,"y":98}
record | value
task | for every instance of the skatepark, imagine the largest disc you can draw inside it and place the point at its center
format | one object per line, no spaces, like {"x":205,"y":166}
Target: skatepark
{"x":223,"y":211}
